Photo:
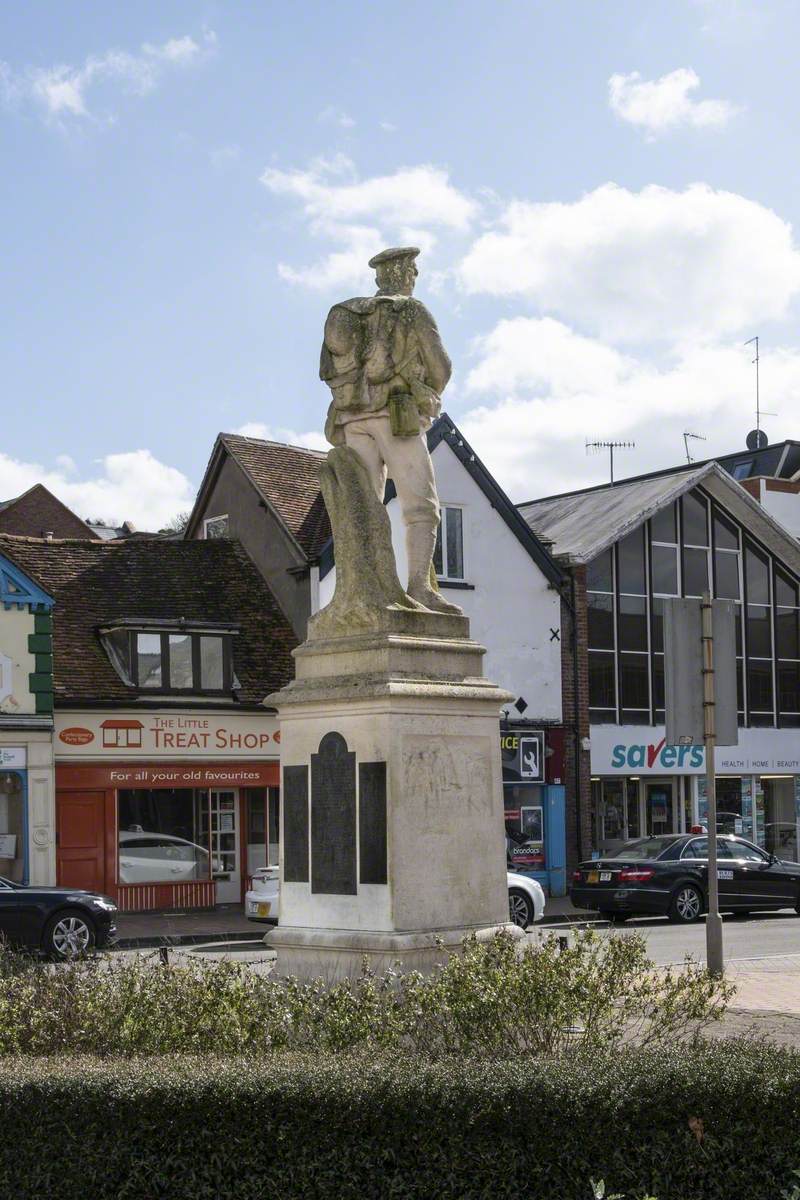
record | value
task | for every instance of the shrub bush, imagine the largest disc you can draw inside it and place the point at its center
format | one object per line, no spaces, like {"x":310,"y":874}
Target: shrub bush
{"x":711,"y":1122}
{"x":489,"y":1000}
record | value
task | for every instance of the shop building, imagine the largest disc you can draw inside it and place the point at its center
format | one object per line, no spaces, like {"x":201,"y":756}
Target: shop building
{"x":629,"y":547}
{"x":27,"y":789}
{"x":166,"y":760}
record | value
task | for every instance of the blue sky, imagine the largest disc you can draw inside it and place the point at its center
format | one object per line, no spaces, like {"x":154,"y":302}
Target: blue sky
{"x":604,"y":194}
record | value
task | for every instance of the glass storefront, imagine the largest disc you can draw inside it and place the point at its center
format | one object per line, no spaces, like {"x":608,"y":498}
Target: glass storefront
{"x":12,"y":825}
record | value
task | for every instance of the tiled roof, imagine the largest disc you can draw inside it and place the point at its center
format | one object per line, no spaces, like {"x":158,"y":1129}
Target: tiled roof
{"x":38,"y":512}
{"x":96,"y":583}
{"x":288,"y":478}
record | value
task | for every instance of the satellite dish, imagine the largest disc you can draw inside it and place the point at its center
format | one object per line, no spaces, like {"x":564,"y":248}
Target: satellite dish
{"x":757,"y":439}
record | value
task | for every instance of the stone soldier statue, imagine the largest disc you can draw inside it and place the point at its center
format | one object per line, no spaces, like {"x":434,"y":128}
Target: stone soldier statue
{"x":385,"y":364}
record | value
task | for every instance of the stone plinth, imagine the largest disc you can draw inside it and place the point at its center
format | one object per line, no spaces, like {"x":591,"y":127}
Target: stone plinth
{"x":392,"y":833}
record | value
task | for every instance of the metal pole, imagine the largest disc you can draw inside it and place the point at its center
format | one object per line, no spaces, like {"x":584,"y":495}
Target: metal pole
{"x":714,"y":951}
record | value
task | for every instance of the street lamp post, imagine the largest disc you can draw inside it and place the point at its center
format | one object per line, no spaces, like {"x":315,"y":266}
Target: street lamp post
{"x":714,"y":950}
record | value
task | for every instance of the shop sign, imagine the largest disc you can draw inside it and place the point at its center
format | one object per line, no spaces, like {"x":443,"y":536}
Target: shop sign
{"x":643,"y":750}
{"x":165,"y":734}
{"x":13,"y":756}
{"x":522,"y":756}
{"x":168,"y":775}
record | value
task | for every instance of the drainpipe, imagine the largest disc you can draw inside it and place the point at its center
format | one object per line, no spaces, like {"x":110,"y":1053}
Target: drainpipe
{"x":569,"y":599}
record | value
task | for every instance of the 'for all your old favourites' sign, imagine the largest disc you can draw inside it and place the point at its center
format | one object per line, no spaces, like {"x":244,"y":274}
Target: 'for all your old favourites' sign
{"x":165,"y":734}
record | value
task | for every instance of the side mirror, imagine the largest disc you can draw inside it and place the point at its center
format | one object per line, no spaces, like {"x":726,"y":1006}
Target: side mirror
{"x":773,"y":858}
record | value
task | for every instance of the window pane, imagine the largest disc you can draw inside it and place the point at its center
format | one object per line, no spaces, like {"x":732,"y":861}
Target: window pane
{"x":634,"y":691}
{"x":740,"y":684}
{"x":663,"y":526}
{"x":602,"y":716}
{"x":180,"y":660}
{"x":216,"y":527}
{"x":455,"y":549}
{"x":631,"y":563}
{"x":789,"y":687}
{"x":787,"y":643}
{"x":785,"y":590}
{"x":756,"y":577}
{"x":148,"y":650}
{"x":437,"y":553}
{"x":657,"y":611}
{"x":598,"y":573}
{"x":601,"y":621}
{"x":665,"y":570}
{"x":759,"y":641}
{"x":632,"y":623}
{"x":695,"y":520}
{"x":759,"y":686}
{"x":602,"y":692}
{"x":158,"y":837}
{"x":726,"y":566}
{"x":726,"y":535}
{"x":211,"y":676}
{"x":658,"y":680}
{"x":695,"y":572}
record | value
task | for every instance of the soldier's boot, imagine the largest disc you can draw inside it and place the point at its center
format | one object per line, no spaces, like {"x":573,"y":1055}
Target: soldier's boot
{"x":420,"y":544}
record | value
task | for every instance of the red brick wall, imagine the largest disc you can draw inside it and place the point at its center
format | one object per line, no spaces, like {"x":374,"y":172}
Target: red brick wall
{"x":577,"y":782}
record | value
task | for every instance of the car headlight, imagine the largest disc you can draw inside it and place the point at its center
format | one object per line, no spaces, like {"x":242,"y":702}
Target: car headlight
{"x":108,"y":905}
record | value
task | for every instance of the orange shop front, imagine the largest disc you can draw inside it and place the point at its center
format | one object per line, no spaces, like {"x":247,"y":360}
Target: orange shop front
{"x":141,"y":818}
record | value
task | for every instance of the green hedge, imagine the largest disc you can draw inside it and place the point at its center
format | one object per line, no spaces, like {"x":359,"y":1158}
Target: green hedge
{"x":354,"y":1128}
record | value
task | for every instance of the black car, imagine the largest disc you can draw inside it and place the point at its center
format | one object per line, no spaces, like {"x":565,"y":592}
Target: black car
{"x":668,"y":876}
{"x":60,"y":922}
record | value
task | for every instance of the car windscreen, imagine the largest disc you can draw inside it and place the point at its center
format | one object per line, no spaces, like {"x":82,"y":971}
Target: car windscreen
{"x":651,"y":847}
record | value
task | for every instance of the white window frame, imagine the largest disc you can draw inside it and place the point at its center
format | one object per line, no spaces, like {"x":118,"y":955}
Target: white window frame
{"x":208,"y":521}
{"x":445,"y":575}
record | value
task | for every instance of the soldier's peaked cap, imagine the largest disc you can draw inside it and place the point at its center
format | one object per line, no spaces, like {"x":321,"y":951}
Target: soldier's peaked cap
{"x":392,"y":253}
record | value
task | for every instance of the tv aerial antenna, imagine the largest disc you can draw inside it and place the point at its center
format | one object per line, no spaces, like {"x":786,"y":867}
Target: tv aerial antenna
{"x":610,"y":446}
{"x":698,"y":437}
{"x":756,"y":438}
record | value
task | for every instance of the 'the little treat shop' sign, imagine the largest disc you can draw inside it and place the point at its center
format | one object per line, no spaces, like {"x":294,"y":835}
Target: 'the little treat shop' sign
{"x":165,"y":735}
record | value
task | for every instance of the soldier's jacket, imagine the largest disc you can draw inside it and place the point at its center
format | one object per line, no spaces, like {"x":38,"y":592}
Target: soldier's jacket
{"x":379,"y":347}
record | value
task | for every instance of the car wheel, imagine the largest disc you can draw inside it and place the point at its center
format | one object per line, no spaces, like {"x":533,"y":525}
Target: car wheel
{"x":614,"y":918}
{"x":686,"y":904}
{"x":520,"y":908}
{"x":68,"y":935}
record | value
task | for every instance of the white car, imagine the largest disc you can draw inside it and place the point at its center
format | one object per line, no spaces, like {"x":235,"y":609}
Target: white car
{"x":525,"y":898}
{"x":146,"y":857}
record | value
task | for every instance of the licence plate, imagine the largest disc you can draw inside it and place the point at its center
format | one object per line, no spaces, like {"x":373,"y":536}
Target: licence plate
{"x":593,"y":877}
{"x":605,"y":876}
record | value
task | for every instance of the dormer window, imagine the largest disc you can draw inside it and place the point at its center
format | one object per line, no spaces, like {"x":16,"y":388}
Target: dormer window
{"x":173,"y":660}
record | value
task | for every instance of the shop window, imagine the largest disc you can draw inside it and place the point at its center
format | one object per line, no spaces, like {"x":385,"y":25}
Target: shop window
{"x":665,"y":570}
{"x":664,"y":525}
{"x":632,"y":623}
{"x":695,"y":520}
{"x":602,"y":691}
{"x":216,"y":527}
{"x":448,"y":556}
{"x":756,"y":576}
{"x":601,"y":621}
{"x":695,"y":571}
{"x":634,"y":687}
{"x":160,"y":835}
{"x":262,"y":812}
{"x":600,"y":573}
{"x":12,"y":826}
{"x":759,"y":633}
{"x":631,"y":564}
{"x":524,"y":825}
{"x":179,"y":661}
{"x":726,"y":575}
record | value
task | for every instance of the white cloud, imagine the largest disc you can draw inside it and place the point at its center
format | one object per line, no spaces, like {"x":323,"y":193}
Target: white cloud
{"x":635,"y":266}
{"x":289,"y":437}
{"x":335,"y":116}
{"x":387,"y":127}
{"x":659,"y":105}
{"x":412,"y":195}
{"x":545,"y":389}
{"x":131,"y":486}
{"x":61,"y":91}
{"x":360,"y":217}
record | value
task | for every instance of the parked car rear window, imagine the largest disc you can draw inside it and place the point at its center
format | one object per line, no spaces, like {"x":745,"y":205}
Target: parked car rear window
{"x":651,"y":847}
